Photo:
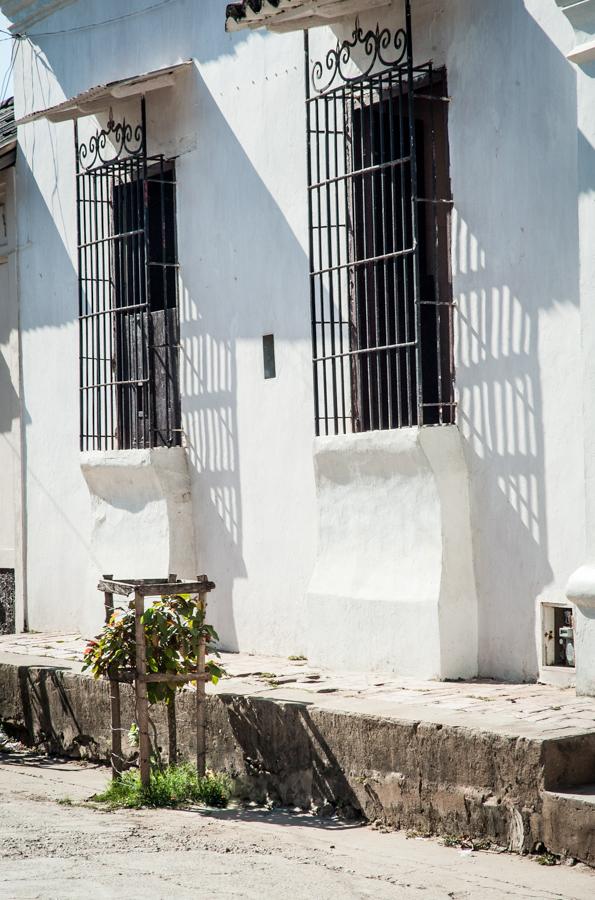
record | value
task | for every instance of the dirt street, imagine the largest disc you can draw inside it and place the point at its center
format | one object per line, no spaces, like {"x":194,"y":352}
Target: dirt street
{"x":68,"y":851}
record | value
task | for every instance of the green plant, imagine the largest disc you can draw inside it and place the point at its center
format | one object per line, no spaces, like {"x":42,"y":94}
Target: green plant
{"x":482,"y":844}
{"x":173,"y":628}
{"x":547,"y":859}
{"x":169,"y":787}
{"x":451,"y":840}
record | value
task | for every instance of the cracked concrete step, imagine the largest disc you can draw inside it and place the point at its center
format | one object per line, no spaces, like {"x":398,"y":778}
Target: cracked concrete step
{"x":569,"y":821}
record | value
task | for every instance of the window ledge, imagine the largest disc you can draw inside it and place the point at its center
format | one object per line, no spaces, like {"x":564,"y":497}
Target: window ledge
{"x":142,"y":511}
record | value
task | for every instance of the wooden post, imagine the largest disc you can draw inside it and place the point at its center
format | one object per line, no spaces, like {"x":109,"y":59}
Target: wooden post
{"x":201,"y":734}
{"x":114,"y":689}
{"x":142,"y":703}
{"x":141,"y":678}
{"x":172,"y":725}
{"x":172,"y":730}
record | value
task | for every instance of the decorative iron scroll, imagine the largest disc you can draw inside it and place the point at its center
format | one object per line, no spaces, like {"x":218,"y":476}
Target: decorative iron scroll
{"x":378,"y":46}
{"x":110,"y":144}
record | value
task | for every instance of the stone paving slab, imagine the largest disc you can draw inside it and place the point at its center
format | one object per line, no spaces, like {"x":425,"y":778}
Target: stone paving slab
{"x":524,"y":710}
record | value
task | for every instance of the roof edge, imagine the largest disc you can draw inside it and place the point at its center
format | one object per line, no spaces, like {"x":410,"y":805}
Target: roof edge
{"x":292,"y":15}
{"x":24,"y":13}
{"x":94,"y":99}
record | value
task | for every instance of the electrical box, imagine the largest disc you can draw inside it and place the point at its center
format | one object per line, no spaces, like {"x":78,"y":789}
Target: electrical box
{"x":558,"y":636}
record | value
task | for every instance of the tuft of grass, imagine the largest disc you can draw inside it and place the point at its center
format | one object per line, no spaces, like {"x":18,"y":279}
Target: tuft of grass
{"x":451,"y":840}
{"x":269,"y":677}
{"x":297,"y":658}
{"x":546,"y":859}
{"x":482,"y":844}
{"x":65,"y":801}
{"x":170,"y":787}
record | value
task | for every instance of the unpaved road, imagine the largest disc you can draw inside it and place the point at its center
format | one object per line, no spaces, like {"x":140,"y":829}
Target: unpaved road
{"x":52,"y":850}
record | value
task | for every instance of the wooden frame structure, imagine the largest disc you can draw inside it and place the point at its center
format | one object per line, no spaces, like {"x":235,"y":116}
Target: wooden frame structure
{"x":142,"y":588}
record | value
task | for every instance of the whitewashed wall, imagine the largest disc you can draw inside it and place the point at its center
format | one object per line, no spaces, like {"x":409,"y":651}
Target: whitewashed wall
{"x":237,"y":123}
{"x":10,"y":433}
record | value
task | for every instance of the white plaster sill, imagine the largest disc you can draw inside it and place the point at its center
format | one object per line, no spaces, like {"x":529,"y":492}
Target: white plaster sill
{"x":142,"y":511}
{"x":130,"y":458}
{"x":384,"y":435}
{"x":115,"y":473}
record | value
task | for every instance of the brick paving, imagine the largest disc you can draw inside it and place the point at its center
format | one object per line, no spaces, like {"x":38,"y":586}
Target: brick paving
{"x":525,"y":710}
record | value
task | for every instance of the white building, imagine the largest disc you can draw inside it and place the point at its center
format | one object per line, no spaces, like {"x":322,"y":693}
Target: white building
{"x":422,"y":227}
{"x":10,"y":437}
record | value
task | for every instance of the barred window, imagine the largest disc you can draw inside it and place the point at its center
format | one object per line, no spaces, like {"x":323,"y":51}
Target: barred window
{"x":379,"y":202}
{"x":128,"y":321}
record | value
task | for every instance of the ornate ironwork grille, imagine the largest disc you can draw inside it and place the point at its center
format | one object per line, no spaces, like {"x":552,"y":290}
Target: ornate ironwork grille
{"x":128,"y":304}
{"x":379,"y":208}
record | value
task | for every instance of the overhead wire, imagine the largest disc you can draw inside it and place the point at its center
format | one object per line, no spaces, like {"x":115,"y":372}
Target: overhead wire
{"x":16,"y":38}
{"x":8,"y":73}
{"x":130,"y":15}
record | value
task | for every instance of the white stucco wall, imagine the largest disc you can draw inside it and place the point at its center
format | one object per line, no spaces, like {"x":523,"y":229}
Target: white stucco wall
{"x":10,"y":432}
{"x":237,"y":123}
{"x":241,"y":233}
{"x":581,"y":585}
{"x":9,"y":404}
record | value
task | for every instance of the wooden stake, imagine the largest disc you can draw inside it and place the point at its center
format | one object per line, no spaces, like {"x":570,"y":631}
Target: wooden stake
{"x":172,"y":725}
{"x":172,"y":729}
{"x":114,"y":696}
{"x":201,"y":734}
{"x":142,"y":703}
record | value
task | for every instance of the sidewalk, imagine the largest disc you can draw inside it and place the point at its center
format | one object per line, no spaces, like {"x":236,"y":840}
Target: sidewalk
{"x":513,"y":764}
{"x":523,"y":710}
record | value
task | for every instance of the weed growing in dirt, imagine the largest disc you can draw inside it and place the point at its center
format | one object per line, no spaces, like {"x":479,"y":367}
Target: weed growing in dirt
{"x":451,"y":840}
{"x":169,"y":787}
{"x":546,"y":859}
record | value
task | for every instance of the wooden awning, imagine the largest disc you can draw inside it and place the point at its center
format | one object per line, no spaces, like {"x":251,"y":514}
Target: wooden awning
{"x":293,"y":15}
{"x":99,"y":97}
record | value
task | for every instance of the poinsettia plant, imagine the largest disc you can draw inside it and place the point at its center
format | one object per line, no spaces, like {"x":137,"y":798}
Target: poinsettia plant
{"x":173,"y":629}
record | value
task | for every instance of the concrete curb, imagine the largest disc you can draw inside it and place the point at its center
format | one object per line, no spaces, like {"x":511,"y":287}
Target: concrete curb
{"x":446,"y":779}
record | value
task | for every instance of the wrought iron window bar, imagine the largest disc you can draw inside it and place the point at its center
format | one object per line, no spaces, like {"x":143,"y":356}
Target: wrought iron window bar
{"x":379,"y":205}
{"x":128,"y":304}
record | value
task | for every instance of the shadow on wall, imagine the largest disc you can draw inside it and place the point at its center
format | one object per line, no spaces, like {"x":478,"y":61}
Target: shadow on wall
{"x":515,"y":256}
{"x":9,"y":400}
{"x":236,"y":249}
{"x":185,"y":32}
{"x":229,"y":226}
{"x":285,"y":755}
{"x":49,"y":302}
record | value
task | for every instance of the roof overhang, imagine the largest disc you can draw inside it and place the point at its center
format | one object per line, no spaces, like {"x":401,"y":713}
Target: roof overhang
{"x":581,"y":15}
{"x":24,"y":13}
{"x":293,"y":15}
{"x":98,"y":98}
